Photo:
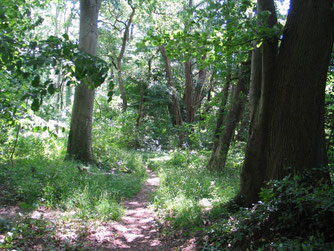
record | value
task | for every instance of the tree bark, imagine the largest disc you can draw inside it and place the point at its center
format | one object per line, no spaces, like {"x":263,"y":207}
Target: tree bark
{"x":263,"y":61}
{"x":297,"y":122}
{"x":287,"y":127}
{"x":79,"y":145}
{"x":202,"y":78}
{"x":189,"y":94}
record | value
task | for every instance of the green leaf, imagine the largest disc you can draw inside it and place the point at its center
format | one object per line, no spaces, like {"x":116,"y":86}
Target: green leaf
{"x":24,"y":97}
{"x":51,"y":89}
{"x":33,"y":45}
{"x":35,"y":105}
{"x":36,"y":81}
{"x":66,"y":37}
{"x":110,"y":94}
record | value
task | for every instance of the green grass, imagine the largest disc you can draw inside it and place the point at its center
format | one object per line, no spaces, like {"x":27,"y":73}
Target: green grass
{"x":188,"y":191}
{"x":41,"y":177}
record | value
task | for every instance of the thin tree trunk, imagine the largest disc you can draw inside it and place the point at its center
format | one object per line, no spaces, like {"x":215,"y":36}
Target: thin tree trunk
{"x":211,"y":83}
{"x":175,"y":101}
{"x":243,"y":126}
{"x":238,"y":100}
{"x":202,"y":78}
{"x":189,"y":92}
{"x":220,"y":120}
{"x":143,"y":87}
{"x":120,"y":58}
{"x":15,"y":144}
{"x":80,"y":137}
{"x":121,"y":85}
{"x":189,"y":82}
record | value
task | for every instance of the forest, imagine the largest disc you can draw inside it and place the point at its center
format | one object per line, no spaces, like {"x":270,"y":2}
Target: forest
{"x":166,"y":125}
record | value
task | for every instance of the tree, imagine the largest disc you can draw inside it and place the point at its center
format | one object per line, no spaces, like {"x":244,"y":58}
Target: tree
{"x":80,"y":137}
{"x":287,"y":124}
{"x":177,"y":118}
{"x":143,"y":87}
{"x":226,"y":124}
{"x":120,"y":56}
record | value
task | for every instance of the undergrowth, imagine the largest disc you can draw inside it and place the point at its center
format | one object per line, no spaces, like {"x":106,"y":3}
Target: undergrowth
{"x":41,"y":177}
{"x":291,"y":215}
{"x":188,"y":191}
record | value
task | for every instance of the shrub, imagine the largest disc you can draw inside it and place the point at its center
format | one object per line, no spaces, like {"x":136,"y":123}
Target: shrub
{"x":292,"y":215}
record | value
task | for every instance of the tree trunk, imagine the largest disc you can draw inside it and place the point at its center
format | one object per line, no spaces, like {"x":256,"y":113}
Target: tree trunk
{"x":121,"y":85}
{"x":220,"y":120}
{"x":287,"y":128}
{"x":189,"y":82}
{"x":121,"y":55}
{"x":189,"y":92}
{"x":297,"y":122}
{"x":175,"y":101}
{"x":238,"y":100}
{"x":243,"y":126}
{"x":143,"y":87}
{"x":253,"y":172}
{"x":80,"y":137}
{"x":198,"y":97}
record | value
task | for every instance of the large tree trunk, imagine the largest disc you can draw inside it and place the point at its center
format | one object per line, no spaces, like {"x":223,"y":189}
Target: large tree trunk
{"x":287,"y":128}
{"x":79,"y":145}
{"x":177,"y":118}
{"x":226,"y":130}
{"x":263,"y":62}
{"x":297,"y":122}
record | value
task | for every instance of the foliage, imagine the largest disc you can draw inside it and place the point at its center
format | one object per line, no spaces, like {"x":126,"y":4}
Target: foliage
{"x":31,"y":65}
{"x":292,"y":215}
{"x":188,"y":191}
{"x":36,"y":68}
{"x":119,"y":128}
{"x":40,"y":177}
{"x":329,"y":116}
{"x":27,"y":232}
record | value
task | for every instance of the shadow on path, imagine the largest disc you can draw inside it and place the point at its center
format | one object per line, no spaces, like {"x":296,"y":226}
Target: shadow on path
{"x":137,"y":230}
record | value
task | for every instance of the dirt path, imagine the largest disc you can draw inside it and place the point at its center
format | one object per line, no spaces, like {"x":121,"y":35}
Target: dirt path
{"x":137,"y":230}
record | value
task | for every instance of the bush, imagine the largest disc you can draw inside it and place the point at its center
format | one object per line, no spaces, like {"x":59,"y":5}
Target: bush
{"x":292,"y":215}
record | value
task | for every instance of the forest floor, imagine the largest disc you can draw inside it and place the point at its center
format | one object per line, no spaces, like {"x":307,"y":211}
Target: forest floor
{"x":138,"y":229}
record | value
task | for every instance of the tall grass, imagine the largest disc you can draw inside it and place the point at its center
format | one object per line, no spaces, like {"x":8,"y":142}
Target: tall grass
{"x":41,"y":177}
{"x":188,"y":190}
